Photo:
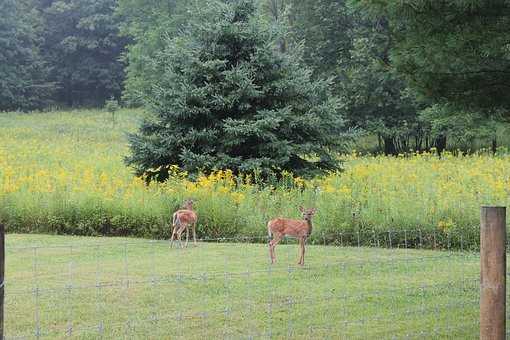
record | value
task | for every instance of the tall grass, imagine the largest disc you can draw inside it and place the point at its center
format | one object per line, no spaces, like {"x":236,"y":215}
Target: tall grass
{"x":63,"y":172}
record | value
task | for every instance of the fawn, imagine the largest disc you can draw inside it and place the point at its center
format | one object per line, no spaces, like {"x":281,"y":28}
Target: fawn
{"x":183,"y":219}
{"x":300,"y":229}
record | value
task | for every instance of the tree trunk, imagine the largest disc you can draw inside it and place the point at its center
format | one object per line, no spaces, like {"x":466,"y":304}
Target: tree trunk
{"x":68,"y":88}
{"x":440,"y":143}
{"x":417,"y":142}
{"x":494,"y":145}
{"x":389,"y":146}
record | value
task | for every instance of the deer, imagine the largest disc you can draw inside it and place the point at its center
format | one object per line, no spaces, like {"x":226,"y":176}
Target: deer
{"x":182,"y":219}
{"x":278,"y":228}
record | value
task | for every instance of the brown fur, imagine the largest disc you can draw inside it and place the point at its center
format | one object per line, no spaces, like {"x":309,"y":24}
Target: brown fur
{"x":181,"y":220}
{"x":278,"y":228}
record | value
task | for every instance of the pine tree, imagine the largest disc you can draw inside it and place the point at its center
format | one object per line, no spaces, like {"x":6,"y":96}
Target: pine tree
{"x":226,"y":98}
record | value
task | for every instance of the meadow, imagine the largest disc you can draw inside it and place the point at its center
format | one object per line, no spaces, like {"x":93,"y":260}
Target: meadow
{"x":111,"y":288}
{"x":63,"y":173}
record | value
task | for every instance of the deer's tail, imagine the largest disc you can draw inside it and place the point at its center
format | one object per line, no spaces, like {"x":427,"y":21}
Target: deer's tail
{"x":269,"y":229}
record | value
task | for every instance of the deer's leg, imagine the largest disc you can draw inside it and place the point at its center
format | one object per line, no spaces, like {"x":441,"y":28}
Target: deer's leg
{"x":179,"y":238}
{"x":174,"y":230}
{"x":302,"y":246}
{"x":187,"y":235}
{"x":303,"y":252}
{"x":271,"y":256}
{"x":179,"y":234}
{"x":195,"y":234}
{"x":271,"y":249}
{"x":277,"y":238}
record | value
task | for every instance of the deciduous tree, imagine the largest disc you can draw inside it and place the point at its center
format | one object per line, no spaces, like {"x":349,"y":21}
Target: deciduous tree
{"x":23,"y":83}
{"x":455,"y":52}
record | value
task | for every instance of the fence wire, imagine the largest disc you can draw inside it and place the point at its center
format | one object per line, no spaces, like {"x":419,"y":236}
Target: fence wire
{"x":362,"y":285}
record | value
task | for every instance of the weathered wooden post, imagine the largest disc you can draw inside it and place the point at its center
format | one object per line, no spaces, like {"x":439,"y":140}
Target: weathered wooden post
{"x":493,"y":273}
{"x":2,"y":278}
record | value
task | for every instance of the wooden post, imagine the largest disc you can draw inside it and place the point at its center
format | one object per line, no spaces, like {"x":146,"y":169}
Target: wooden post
{"x":492,"y":273}
{"x":2,"y":278}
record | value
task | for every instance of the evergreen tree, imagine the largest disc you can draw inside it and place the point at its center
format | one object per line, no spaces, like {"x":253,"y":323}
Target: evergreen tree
{"x":227,"y":98}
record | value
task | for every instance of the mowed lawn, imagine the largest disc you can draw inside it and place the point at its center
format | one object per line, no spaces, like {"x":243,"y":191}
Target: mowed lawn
{"x":114,"y":288}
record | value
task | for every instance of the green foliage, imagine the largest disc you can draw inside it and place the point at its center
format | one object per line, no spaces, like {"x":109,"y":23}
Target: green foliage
{"x":111,"y":105}
{"x":64,"y":51}
{"x":63,"y":173}
{"x":227,"y":99}
{"x":23,"y":84}
{"x":148,"y":24}
{"x":453,"y":52}
{"x":463,"y":128}
{"x":342,"y":42}
{"x":374,"y":95}
{"x":324,"y":28}
{"x":321,"y":27}
{"x":83,"y":47}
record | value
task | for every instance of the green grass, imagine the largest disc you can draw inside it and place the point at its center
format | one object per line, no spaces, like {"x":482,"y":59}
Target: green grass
{"x":139,"y":289}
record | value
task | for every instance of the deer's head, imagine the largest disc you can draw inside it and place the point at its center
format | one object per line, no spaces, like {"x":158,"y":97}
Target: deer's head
{"x":188,"y":204}
{"x":307,"y":213}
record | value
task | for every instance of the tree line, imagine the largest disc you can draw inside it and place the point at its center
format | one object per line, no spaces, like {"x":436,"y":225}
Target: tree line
{"x":65,"y":53}
{"x":415,"y":74}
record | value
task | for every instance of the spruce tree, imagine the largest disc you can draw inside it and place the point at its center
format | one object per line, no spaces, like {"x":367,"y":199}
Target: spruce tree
{"x":227,"y":98}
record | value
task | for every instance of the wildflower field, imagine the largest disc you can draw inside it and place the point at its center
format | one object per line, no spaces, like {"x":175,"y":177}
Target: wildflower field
{"x":63,"y":173}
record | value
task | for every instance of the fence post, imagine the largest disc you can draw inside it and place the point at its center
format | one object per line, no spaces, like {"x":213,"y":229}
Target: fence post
{"x":492,"y":273}
{"x":2,"y":278}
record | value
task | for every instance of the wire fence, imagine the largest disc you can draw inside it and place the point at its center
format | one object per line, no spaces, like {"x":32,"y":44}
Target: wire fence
{"x":388,"y":287}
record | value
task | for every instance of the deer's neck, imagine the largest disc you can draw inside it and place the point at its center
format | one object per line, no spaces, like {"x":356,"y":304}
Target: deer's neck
{"x":310,"y":226}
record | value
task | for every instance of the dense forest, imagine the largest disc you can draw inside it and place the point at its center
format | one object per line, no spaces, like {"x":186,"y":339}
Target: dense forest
{"x":411,"y":74}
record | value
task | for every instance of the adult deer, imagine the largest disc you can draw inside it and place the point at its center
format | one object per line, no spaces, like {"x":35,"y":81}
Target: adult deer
{"x":181,"y":220}
{"x":300,"y":229}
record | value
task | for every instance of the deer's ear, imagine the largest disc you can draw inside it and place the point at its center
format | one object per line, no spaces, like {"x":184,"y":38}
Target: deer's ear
{"x":301,"y":209}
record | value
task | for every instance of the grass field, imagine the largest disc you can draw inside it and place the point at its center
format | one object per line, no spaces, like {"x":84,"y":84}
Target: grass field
{"x":63,"y":173}
{"x":89,"y":288}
